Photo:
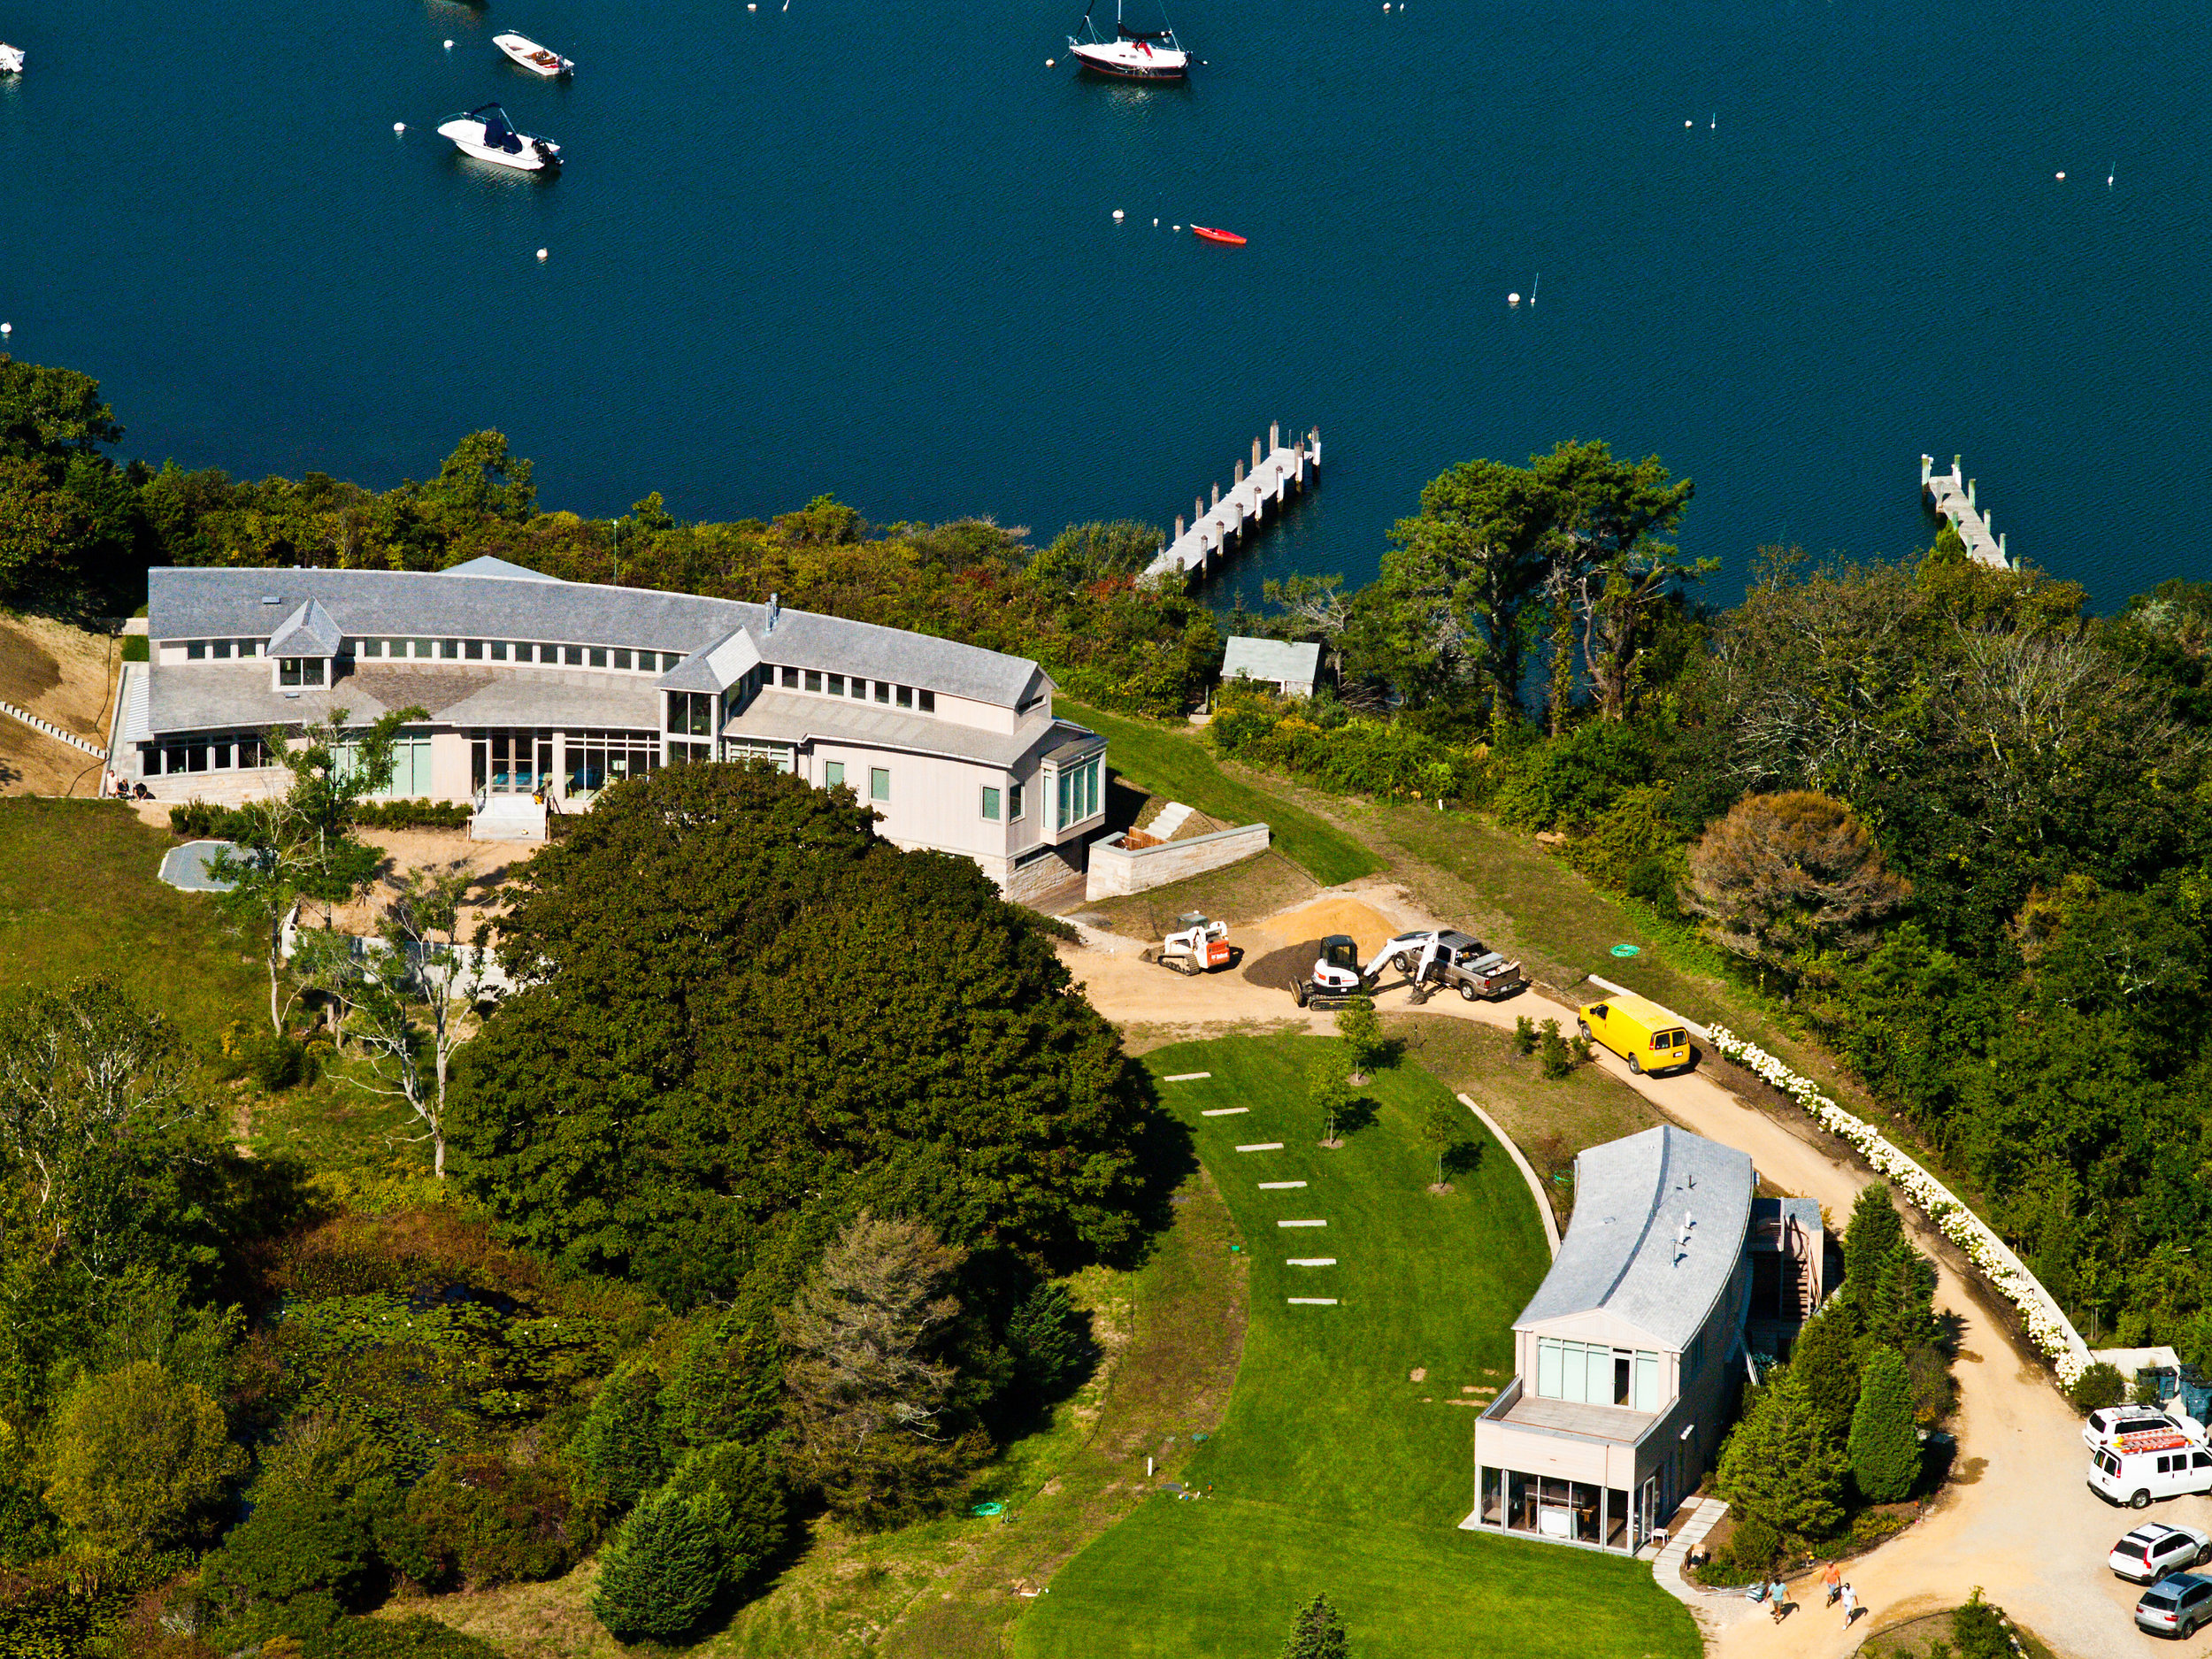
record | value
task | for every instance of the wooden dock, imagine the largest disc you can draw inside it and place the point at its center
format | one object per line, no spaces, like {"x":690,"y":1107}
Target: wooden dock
{"x":1950,"y":495}
{"x":1274,"y":475}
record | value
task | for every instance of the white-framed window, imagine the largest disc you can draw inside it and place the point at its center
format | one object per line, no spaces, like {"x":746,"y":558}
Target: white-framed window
{"x":1593,"y":1373}
{"x":990,"y":804}
{"x":833,"y":774}
{"x":880,"y":783}
{"x":1078,"y":791}
{"x":299,"y":670}
{"x":779,"y":754}
{"x":836,"y":685}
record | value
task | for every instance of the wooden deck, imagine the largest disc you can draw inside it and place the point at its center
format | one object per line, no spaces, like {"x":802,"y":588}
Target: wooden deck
{"x":1275,"y":473}
{"x":1950,"y":495}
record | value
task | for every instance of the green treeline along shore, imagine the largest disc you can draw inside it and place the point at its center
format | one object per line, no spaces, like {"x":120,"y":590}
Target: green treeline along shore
{"x":1933,"y":816}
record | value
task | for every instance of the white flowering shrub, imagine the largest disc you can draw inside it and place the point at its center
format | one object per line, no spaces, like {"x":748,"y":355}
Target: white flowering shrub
{"x":2049,"y":1327}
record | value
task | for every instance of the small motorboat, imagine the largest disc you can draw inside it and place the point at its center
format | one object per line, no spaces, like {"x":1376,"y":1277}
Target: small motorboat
{"x":538,"y":60}
{"x":1211,"y":235}
{"x":11,"y":59}
{"x":1133,"y":54}
{"x":487,"y":134}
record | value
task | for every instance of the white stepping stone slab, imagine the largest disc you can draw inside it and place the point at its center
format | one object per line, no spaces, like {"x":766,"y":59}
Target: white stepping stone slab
{"x":1308,"y":1261}
{"x":1188,"y":1077}
{"x":1263,"y":1146}
{"x":1311,"y":1302}
{"x":1277,"y":1187}
{"x":1302,"y":1223}
{"x":1224,"y":1111}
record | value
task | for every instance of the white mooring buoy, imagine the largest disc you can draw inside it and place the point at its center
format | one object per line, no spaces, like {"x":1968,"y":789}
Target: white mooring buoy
{"x":2061,"y":178}
{"x":540,"y":253}
{"x":1689,"y":124}
{"x":7,"y":328}
{"x":1117,"y":216}
{"x":1155,"y":224}
{"x":399,"y":126}
{"x":449,"y":46}
{"x":1513,"y":299}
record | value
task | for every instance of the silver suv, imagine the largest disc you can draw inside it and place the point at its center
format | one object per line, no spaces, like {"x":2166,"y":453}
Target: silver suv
{"x":2177,"y":1605}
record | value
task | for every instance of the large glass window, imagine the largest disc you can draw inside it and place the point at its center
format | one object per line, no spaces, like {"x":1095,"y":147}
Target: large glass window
{"x":691,"y":713}
{"x":597,"y":759}
{"x":778,"y":755}
{"x":1646,"y":1382}
{"x":299,"y":670}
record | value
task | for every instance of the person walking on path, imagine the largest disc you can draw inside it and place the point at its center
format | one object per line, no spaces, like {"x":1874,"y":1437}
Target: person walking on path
{"x":1834,"y":1579}
{"x":1777,"y":1600}
{"x":1850,"y":1606}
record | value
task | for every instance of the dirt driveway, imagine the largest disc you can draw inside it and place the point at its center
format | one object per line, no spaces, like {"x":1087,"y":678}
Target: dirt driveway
{"x":2020,"y":1521}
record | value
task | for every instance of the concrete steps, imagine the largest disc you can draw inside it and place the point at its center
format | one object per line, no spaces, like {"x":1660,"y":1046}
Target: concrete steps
{"x":508,"y":818}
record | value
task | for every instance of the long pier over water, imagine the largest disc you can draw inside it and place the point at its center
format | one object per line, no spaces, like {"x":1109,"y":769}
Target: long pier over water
{"x":1950,"y":495}
{"x":1274,"y":475}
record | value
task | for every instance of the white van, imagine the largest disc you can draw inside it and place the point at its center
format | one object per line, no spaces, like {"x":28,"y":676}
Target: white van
{"x":2145,"y":1466}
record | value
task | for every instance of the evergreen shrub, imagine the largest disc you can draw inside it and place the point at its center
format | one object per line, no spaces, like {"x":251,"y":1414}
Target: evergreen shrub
{"x":664,"y":1568}
{"x":1885,"y":1443}
{"x":2100,"y":1386}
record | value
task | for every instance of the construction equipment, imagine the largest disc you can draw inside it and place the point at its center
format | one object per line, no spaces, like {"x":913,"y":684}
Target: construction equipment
{"x":1197,"y":946}
{"x":1338,"y":980}
{"x":1439,"y":958}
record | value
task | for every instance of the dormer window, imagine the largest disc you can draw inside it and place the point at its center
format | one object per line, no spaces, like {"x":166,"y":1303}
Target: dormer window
{"x":300,"y":671}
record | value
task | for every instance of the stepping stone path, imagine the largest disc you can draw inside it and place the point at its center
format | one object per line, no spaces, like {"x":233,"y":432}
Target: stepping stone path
{"x":1271,"y":1187}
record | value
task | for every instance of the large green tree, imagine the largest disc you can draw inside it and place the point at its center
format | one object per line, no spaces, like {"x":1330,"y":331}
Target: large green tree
{"x":747,"y":1016}
{"x":1780,"y":1462}
{"x":1884,"y":1444}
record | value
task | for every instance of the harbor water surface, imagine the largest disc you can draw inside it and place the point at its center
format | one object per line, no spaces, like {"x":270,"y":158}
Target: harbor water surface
{"x":870,"y":250}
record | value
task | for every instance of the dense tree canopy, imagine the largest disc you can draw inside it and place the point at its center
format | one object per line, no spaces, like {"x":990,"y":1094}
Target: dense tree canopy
{"x":749,"y":1017}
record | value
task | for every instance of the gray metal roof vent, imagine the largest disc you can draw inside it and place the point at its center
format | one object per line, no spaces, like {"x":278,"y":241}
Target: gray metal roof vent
{"x":272,"y":599}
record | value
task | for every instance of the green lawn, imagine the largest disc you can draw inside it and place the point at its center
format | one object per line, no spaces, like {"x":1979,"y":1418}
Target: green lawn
{"x":1166,"y":761}
{"x":1334,"y":1472}
{"x":79,"y":894}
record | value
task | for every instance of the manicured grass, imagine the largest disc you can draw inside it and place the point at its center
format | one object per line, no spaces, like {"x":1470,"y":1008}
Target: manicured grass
{"x":1333,"y":1470}
{"x":80,"y":894}
{"x":1170,"y":762}
{"x":1550,"y":1119}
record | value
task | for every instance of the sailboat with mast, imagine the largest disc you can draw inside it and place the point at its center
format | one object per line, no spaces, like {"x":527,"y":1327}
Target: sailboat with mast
{"x":1131,"y":54}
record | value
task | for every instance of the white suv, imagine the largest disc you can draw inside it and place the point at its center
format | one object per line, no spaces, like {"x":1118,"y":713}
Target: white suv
{"x":2155,"y":1549}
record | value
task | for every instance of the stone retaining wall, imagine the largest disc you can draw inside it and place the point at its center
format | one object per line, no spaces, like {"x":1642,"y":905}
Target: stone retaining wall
{"x":1117,"y":871}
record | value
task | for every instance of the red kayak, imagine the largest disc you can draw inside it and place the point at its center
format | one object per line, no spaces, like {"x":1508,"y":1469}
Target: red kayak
{"x":1229,"y":237}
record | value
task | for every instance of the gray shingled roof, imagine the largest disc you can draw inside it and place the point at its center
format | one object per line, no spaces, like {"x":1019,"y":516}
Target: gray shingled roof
{"x":787,"y":717}
{"x":310,"y":631}
{"x":486,"y":565}
{"x":1270,"y":659}
{"x":1620,"y":1252}
{"x":193,"y":602}
{"x":219,"y":696}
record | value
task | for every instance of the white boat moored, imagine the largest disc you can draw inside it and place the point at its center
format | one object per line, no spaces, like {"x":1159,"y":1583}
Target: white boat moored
{"x":538,"y":60}
{"x":1133,"y":54}
{"x":11,"y":59}
{"x":487,"y":134}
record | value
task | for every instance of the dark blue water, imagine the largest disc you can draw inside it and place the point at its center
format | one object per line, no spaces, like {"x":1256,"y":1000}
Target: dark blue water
{"x":869,"y":251}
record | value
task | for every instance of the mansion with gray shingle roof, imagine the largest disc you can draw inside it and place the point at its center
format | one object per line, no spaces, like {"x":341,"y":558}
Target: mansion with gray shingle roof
{"x":537,"y":687}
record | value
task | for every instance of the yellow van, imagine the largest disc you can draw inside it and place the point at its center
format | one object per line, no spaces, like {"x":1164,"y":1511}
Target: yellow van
{"x":1643,"y":1033}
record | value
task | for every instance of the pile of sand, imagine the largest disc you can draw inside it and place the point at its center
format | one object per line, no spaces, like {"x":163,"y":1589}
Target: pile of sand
{"x":1368,"y":926}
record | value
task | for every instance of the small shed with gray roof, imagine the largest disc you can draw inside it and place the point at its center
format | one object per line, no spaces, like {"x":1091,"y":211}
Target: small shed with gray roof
{"x":1291,"y":668}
